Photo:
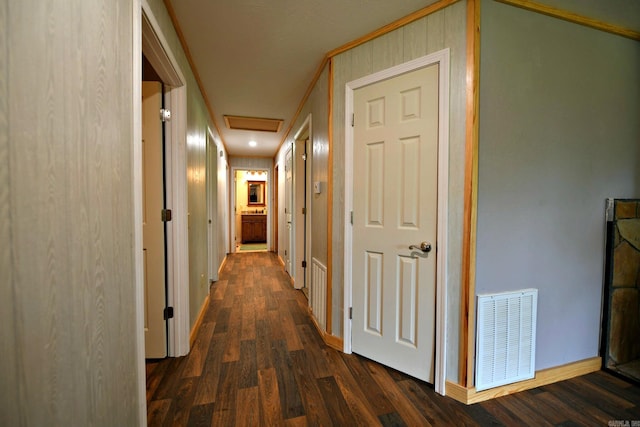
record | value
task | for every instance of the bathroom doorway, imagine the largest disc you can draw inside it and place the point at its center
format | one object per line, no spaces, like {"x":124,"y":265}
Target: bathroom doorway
{"x":251,"y":209}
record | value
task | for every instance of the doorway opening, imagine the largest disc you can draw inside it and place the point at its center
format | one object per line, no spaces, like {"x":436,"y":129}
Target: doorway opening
{"x":159,"y":65}
{"x":154,"y":209}
{"x":251,"y":208}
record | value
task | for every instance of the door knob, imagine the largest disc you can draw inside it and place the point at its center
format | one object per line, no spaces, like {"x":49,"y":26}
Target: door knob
{"x":424,"y":247}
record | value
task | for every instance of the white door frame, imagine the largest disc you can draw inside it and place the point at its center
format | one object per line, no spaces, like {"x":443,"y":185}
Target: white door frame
{"x":212,"y":201}
{"x":441,"y":58}
{"x":149,"y":35}
{"x":232,"y":211}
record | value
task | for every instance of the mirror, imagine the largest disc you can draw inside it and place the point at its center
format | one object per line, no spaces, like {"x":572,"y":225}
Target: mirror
{"x":255,"y":189}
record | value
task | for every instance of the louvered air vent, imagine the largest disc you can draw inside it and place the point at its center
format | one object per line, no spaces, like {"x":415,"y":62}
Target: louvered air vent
{"x":506,"y":338}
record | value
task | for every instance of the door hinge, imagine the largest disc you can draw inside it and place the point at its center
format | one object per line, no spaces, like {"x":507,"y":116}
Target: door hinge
{"x":351,"y":217}
{"x":350,"y":312}
{"x":165,"y":115}
{"x":166,"y":215}
{"x":304,"y":264}
{"x":353,"y":120}
{"x":168,"y":313}
{"x":304,"y":211}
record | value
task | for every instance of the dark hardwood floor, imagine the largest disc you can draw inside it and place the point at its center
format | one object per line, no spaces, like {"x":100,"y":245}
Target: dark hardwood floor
{"x":258,"y":360}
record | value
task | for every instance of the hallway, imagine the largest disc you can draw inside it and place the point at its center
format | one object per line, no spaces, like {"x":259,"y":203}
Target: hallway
{"x":258,"y":360}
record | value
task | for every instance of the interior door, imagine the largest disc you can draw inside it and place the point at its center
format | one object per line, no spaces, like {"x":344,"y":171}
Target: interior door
{"x":288,"y":210}
{"x":153,"y":233}
{"x":395,"y":208}
{"x":212,"y":197}
{"x":300,"y":182}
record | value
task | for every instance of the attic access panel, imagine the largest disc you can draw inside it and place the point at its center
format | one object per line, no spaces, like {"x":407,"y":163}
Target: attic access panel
{"x":253,"y":123}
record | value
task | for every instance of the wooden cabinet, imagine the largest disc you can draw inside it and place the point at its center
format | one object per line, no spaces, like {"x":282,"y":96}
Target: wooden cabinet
{"x":254,"y":228}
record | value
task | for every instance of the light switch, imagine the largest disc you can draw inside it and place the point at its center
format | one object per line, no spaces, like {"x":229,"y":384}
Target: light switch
{"x":316,"y":187}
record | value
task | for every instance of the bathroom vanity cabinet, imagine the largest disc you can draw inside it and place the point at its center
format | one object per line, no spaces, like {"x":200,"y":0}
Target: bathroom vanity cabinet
{"x":254,"y":228}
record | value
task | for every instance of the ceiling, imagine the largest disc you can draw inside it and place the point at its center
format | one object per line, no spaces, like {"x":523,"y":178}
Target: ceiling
{"x":257,"y":58}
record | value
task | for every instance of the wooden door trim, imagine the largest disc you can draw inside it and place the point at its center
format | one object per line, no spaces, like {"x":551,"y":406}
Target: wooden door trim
{"x":274,"y":246}
{"x":467,"y":292}
{"x":575,"y":18}
{"x":442,"y":58}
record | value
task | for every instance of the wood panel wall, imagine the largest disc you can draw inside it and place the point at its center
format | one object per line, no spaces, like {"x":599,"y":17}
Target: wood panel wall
{"x":66,"y":214}
{"x":317,"y":106}
{"x":9,"y":404}
{"x":439,"y":30}
{"x":197,"y":128}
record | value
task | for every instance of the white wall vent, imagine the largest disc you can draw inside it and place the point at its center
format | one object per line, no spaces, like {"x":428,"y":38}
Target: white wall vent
{"x":506,"y":338}
{"x":318,"y":298}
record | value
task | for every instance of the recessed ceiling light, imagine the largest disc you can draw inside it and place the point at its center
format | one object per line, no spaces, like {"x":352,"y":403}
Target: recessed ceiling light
{"x":252,"y":143}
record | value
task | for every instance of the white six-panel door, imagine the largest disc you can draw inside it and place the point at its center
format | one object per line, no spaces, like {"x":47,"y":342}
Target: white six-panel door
{"x":395,"y":186}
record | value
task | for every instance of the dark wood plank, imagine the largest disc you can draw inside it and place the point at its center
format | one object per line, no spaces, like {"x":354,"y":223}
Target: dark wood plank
{"x":183,"y":401}
{"x":157,"y":412}
{"x":314,"y":407}
{"x":200,"y":415}
{"x":317,"y":350}
{"x":263,"y":345}
{"x":571,"y":414}
{"x":404,"y":407}
{"x":290,"y":330}
{"x":155,"y":375}
{"x":269,"y":397}
{"x":208,"y":385}
{"x":447,"y":405}
{"x":569,"y":397}
{"x":290,"y":399}
{"x":232,"y":345}
{"x":392,"y":419}
{"x":335,"y":403}
{"x":222,"y":321}
{"x":169,"y":383}
{"x":248,"y":365}
{"x":248,"y":407}
{"x":248,"y":321}
{"x":615,"y":385}
{"x":375,"y":394}
{"x":197,"y":355}
{"x":297,"y":422}
{"x":224,"y":410}
{"x":516,"y":406}
{"x":218,"y":289}
{"x":298,"y":313}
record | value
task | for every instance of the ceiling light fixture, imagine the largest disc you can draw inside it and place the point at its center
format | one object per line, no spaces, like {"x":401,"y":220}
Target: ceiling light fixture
{"x":252,"y":143}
